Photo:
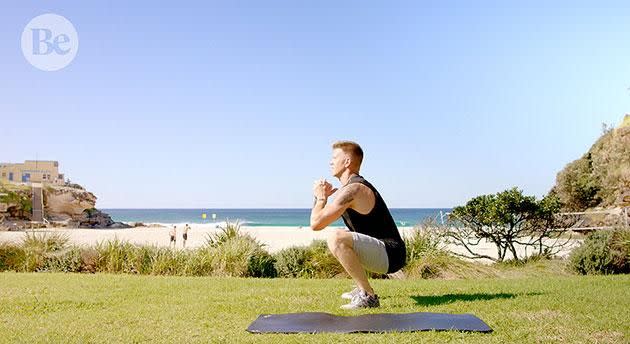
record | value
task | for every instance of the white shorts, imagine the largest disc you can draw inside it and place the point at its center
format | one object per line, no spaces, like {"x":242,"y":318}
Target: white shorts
{"x":371,"y":252}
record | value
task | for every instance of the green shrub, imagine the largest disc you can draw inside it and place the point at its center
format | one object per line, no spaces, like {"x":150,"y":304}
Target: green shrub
{"x":19,"y":201}
{"x":232,"y":256}
{"x":292,"y":261}
{"x":142,"y":259}
{"x":12,"y":257}
{"x":261,"y":264}
{"x":420,"y":242}
{"x":603,"y":252}
{"x":200,"y":262}
{"x":577,"y":186}
{"x":232,"y":253}
{"x":68,"y":260}
{"x":620,"y":249}
{"x":116,"y":256}
{"x":320,"y":262}
{"x":313,"y":261}
{"x":39,"y":246}
{"x":425,"y":259}
{"x":165,"y":261}
{"x":44,"y":241}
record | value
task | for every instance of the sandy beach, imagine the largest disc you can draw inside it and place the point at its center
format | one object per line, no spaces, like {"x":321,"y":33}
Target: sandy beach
{"x":274,"y":238}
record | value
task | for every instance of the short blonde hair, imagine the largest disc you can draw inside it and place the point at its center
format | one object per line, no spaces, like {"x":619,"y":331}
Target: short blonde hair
{"x":351,"y":148}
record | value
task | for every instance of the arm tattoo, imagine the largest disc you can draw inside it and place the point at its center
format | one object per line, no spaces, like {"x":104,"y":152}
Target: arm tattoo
{"x":347,"y":197}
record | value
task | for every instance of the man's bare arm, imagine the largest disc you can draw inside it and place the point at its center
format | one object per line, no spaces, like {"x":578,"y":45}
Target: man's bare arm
{"x":324,"y":214}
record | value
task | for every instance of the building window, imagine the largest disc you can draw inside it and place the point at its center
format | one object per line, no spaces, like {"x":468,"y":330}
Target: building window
{"x":43,"y":176}
{"x":4,"y":174}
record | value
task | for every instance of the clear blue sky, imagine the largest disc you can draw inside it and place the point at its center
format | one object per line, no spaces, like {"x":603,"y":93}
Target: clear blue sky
{"x":235,"y":104}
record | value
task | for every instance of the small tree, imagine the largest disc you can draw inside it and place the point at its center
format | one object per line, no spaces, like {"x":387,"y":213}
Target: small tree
{"x":507,"y":219}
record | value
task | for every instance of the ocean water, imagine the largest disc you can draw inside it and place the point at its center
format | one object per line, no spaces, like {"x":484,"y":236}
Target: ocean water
{"x":255,"y":217}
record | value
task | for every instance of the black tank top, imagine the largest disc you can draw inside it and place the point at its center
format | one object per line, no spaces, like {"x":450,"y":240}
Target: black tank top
{"x":379,"y":224}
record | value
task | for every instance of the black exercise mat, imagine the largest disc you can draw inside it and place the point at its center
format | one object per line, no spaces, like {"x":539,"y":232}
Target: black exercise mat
{"x":323,"y":322}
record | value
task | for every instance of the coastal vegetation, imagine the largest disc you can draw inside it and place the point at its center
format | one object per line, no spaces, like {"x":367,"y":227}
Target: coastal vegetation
{"x":508,"y":219}
{"x":601,"y":177}
{"x":121,"y":292}
{"x":236,"y":254}
{"x":605,"y":252}
{"x":18,"y":202}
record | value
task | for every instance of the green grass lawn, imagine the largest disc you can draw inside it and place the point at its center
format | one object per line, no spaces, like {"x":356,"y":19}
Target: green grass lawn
{"x":45,"y":307}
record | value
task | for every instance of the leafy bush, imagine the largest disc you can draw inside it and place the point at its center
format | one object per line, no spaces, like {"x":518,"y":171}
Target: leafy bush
{"x":116,"y":256}
{"x":38,"y":247}
{"x":200,"y":262}
{"x":165,"y":261}
{"x":45,"y":241}
{"x":142,"y":256}
{"x":313,"y":261}
{"x":68,"y":260}
{"x":232,"y":256}
{"x":291,"y":262}
{"x":261,"y":264}
{"x":577,"y":187}
{"x":20,"y":204}
{"x":620,"y":249}
{"x":604,"y":252}
{"x":12,"y":257}
{"x":321,"y":263}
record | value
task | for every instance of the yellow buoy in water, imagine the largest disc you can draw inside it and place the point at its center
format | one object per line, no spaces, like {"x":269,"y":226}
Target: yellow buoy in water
{"x":203,"y":216}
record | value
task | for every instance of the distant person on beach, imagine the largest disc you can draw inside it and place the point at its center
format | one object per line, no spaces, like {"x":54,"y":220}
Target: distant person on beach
{"x":185,"y":235}
{"x":373,"y":242}
{"x":173,"y":234}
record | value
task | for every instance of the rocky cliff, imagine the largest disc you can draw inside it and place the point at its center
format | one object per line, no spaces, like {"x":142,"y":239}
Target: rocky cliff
{"x":68,"y":206}
{"x":65,"y":203}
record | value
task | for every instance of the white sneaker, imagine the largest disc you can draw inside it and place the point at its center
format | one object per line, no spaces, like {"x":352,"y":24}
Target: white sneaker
{"x":363,"y":300}
{"x":350,"y":294}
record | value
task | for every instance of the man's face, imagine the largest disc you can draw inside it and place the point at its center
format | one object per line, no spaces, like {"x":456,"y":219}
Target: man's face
{"x":340,"y":160}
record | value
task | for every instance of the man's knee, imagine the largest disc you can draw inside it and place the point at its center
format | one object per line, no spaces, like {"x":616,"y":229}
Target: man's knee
{"x":339,"y":239}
